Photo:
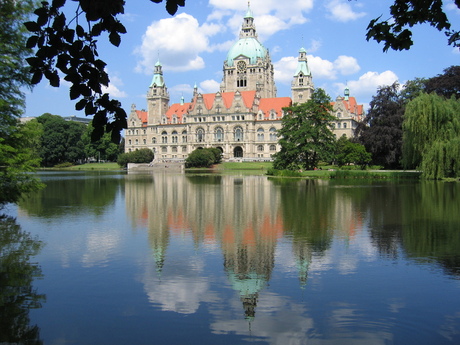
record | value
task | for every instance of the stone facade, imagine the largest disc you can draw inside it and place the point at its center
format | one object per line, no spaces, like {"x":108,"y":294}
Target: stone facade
{"x":241,"y":119}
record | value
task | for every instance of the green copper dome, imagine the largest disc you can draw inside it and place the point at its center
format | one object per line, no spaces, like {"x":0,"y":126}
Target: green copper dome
{"x":249,"y":47}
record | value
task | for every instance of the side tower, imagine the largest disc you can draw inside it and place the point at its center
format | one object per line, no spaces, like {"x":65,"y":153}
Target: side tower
{"x":248,"y":66}
{"x":157,"y":97}
{"x":302,"y":84}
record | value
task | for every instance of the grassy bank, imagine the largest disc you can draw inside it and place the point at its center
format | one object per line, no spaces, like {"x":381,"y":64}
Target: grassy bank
{"x":94,"y":166}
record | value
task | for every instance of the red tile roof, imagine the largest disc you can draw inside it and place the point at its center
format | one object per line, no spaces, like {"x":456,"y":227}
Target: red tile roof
{"x":276,"y":104}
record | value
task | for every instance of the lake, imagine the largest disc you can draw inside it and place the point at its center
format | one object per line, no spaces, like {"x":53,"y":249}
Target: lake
{"x":165,"y":258}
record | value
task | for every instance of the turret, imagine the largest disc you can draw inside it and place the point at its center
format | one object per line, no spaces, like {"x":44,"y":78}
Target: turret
{"x":302,"y":83}
{"x":157,"y":96}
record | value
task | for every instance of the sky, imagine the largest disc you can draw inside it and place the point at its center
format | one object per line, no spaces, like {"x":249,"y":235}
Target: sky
{"x":193,"y":44}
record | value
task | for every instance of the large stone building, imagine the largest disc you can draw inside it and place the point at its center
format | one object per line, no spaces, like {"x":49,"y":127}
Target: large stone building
{"x":242,"y":119}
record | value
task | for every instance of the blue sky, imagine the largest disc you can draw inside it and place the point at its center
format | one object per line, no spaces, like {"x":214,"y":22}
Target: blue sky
{"x":193,"y":44}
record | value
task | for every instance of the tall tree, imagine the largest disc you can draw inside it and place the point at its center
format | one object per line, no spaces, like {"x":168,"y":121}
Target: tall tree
{"x":305,"y":136}
{"x":16,"y":158}
{"x":396,"y":32}
{"x":381,"y":130}
{"x":432,"y":136}
{"x":348,"y":152}
{"x":69,"y":46}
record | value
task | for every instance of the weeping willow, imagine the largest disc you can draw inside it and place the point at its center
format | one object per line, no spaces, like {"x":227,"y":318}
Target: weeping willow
{"x":431,"y":136}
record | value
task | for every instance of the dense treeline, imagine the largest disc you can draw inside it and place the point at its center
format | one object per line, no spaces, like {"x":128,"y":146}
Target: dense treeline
{"x":69,"y":142}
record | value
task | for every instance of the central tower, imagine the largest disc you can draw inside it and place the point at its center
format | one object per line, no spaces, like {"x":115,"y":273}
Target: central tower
{"x":248,"y":66}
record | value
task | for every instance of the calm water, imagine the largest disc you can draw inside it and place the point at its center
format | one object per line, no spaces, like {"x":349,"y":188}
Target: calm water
{"x":177,"y":259}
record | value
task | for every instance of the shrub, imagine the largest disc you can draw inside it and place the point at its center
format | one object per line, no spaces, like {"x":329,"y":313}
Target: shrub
{"x":138,"y":156}
{"x":203,"y":158}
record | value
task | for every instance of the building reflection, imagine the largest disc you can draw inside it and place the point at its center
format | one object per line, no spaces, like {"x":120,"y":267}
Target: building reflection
{"x":244,"y":218}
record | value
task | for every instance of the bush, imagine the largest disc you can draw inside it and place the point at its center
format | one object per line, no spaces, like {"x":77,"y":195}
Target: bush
{"x":203,"y":158}
{"x":138,"y":156}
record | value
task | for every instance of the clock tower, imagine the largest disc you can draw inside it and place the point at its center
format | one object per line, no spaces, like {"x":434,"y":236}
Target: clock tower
{"x":248,"y":66}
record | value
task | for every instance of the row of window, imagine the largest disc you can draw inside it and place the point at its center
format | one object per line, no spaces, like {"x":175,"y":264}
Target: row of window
{"x":175,"y":149}
{"x":218,"y":135}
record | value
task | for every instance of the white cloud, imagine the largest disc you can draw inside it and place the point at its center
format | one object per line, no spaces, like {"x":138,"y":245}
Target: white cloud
{"x":320,"y":68}
{"x":209,"y":86}
{"x":113,"y":88}
{"x":342,"y":11}
{"x":367,"y":84}
{"x":346,"y":65}
{"x":177,"y":42}
{"x":271,"y":15}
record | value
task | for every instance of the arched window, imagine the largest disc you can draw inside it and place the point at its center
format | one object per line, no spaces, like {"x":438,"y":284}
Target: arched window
{"x":154,"y":140}
{"x":200,"y":135}
{"x":164,"y":137}
{"x":174,"y":136}
{"x":219,"y":134}
{"x":238,"y":134}
{"x":129,"y":141}
{"x":260,"y":148}
{"x":144,"y":141}
{"x":272,"y":147}
{"x":184,"y":136}
{"x":175,"y":118}
{"x":137,"y":142}
{"x":260,"y":134}
{"x":273,"y":134}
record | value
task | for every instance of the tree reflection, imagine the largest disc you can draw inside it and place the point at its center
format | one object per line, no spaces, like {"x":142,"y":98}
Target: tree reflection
{"x":17,"y":295}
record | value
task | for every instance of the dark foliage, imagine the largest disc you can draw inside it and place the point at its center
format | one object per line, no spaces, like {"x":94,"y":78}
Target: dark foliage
{"x":446,"y":84}
{"x":396,"y":32}
{"x":68,"y":46}
{"x":381,"y":131}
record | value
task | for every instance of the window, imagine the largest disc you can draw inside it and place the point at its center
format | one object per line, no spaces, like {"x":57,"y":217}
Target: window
{"x":200,"y":135}
{"x":174,"y":136}
{"x":137,"y":142}
{"x":145,"y":141}
{"x":344,"y":125}
{"x":260,"y":134}
{"x":272,"y":148}
{"x":219,"y":134}
{"x":129,"y":141}
{"x":164,"y":137}
{"x":238,"y":134}
{"x":338,"y":125}
{"x":164,"y":149}
{"x":184,"y":148}
{"x":260,"y":148}
{"x":154,"y":140}
{"x":273,"y":134}
{"x":184,"y":136}
{"x":174,"y":149}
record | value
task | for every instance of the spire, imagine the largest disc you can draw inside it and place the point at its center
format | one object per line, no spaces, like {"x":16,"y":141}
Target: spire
{"x":248,"y":28}
{"x":346,"y":93}
{"x":157,"y":80}
{"x":302,"y":65}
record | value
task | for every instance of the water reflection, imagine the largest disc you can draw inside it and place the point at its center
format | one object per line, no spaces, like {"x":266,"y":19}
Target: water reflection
{"x":17,"y":295}
{"x":231,"y":259}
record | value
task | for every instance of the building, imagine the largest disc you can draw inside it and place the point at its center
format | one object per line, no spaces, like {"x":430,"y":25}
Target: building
{"x":241,"y":119}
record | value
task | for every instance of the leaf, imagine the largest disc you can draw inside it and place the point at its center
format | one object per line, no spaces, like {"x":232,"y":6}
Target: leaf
{"x":81,"y":104}
{"x":37,"y":76}
{"x":32,"y":26}
{"x":68,"y":35}
{"x":115,"y":38}
{"x":80,"y":31}
{"x":74,"y":91}
{"x":53,"y":78}
{"x":58,"y":3}
{"x":32,"y":42}
{"x":171,"y":7}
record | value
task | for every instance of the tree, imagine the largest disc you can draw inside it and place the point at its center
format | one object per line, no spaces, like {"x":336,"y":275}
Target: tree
{"x":395,"y":32}
{"x":138,"y":156}
{"x":17,"y":159}
{"x":381,"y":130}
{"x":432,"y":136}
{"x":68,"y":46}
{"x":103,"y":148}
{"x":203,"y":158}
{"x":305,"y":135}
{"x":446,"y":84}
{"x":349,"y":152}
{"x":61,"y":141}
